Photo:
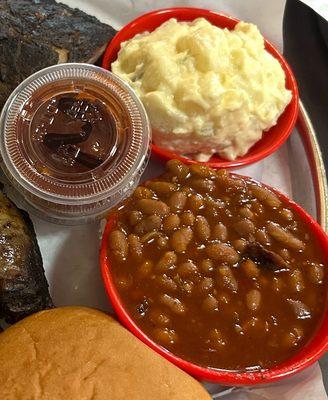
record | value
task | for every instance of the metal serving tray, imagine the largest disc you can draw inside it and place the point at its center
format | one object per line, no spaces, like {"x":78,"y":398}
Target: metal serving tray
{"x":317,"y":168}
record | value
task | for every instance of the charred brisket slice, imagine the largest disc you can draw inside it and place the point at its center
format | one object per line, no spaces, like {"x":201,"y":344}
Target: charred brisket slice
{"x":23,"y":285}
{"x":37,"y":33}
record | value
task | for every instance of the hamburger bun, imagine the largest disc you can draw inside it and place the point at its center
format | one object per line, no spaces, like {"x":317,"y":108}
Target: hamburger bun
{"x":78,"y":353}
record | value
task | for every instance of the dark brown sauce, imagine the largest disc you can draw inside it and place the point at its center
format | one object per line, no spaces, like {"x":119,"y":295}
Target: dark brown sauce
{"x":293,"y":289}
{"x":73,"y":132}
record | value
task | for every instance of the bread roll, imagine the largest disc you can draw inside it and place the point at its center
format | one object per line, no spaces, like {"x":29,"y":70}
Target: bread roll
{"x":77,"y":353}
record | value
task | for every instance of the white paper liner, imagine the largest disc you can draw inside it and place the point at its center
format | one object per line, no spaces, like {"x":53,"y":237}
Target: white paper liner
{"x":319,"y":6}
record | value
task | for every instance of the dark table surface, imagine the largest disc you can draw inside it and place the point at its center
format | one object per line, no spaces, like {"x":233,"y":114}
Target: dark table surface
{"x":306,"y":49}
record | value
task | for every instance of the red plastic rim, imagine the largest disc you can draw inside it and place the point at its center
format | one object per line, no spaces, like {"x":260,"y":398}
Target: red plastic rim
{"x":310,"y":353}
{"x":272,"y":139}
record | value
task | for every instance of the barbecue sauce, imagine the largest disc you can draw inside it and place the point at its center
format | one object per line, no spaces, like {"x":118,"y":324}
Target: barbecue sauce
{"x":74,"y":133}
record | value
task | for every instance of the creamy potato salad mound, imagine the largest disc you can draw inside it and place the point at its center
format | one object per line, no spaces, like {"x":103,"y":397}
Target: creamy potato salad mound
{"x":206,"y":90}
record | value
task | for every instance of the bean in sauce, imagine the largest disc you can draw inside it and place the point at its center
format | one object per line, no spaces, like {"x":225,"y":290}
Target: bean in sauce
{"x":217,"y":269}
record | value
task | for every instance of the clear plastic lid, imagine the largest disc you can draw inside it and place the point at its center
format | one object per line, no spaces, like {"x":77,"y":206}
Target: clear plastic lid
{"x":36,"y":171}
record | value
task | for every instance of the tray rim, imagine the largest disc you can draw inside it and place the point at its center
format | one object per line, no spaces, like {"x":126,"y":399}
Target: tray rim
{"x":318,"y":171}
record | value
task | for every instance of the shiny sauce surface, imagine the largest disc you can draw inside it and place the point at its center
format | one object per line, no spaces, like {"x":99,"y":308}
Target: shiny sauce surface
{"x":217,"y":270}
{"x":73,"y":133}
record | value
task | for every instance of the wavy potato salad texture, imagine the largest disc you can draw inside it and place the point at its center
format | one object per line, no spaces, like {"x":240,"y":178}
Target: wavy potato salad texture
{"x":206,"y":90}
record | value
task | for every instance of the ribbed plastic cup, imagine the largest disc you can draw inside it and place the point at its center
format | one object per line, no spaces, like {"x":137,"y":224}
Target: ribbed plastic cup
{"x":60,"y":195}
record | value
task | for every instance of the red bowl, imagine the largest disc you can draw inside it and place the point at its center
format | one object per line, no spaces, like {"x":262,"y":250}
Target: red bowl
{"x":271,"y":140}
{"x":307,"y":355}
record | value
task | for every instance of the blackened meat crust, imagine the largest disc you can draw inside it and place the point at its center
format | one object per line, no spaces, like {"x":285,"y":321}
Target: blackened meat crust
{"x":37,"y":33}
{"x":23,"y":285}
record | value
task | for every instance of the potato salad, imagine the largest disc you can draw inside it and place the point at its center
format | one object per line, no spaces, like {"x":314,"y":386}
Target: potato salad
{"x":206,"y":90}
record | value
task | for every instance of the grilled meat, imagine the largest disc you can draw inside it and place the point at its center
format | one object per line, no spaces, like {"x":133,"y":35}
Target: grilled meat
{"x":37,"y":33}
{"x":23,"y":285}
